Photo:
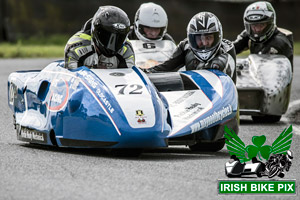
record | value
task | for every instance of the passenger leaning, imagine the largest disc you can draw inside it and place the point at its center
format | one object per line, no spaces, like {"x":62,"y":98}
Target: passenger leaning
{"x":261,"y":35}
{"x":102,"y":42}
{"x":204,"y":48}
{"x":150,"y":24}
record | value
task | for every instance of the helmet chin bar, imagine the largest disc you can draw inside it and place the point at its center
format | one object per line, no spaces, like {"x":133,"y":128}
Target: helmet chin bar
{"x":100,"y":49}
{"x":205,"y":55}
{"x":144,"y":38}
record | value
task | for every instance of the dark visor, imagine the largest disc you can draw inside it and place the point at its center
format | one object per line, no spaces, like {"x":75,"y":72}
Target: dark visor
{"x":109,"y":40}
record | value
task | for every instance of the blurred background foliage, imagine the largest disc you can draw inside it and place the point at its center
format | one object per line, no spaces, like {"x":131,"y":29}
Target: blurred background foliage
{"x":52,"y":22}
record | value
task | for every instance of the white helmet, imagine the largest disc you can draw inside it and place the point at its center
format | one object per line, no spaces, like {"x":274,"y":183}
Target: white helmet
{"x":150,"y":15}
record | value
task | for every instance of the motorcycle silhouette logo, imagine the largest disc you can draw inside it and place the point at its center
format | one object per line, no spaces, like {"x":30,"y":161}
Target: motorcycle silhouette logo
{"x":278,"y":157}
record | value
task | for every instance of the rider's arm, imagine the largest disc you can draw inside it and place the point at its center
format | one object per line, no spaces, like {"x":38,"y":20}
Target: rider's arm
{"x":77,"y":50}
{"x":225,"y":61}
{"x":242,"y":42}
{"x":176,"y":61}
{"x":283,"y":46}
{"x":128,"y":54}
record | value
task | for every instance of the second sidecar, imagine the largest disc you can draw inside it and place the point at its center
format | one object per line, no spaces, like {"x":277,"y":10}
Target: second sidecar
{"x":264,"y":86}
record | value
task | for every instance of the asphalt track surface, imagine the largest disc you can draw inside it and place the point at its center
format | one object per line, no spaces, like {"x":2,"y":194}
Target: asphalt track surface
{"x":37,"y":172}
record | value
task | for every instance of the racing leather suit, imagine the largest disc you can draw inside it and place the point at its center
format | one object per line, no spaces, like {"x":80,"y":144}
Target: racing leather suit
{"x":281,"y":42}
{"x":79,"y":51}
{"x":132,"y":35}
{"x":224,"y":60}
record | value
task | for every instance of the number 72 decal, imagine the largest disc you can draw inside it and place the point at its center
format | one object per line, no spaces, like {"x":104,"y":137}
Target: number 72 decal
{"x":130,"y":89}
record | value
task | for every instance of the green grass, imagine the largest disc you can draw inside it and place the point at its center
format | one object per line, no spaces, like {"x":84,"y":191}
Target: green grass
{"x":33,"y":47}
{"x":30,"y":51}
{"x":53,"y":46}
{"x":297,"y":48}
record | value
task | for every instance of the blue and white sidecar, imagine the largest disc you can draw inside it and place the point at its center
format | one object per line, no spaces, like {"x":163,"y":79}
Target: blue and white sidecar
{"x":122,"y":108}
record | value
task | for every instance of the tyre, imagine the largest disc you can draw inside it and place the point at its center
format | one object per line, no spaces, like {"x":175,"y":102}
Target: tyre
{"x":208,"y":146}
{"x":266,"y":118}
{"x":259,"y":174}
{"x":281,"y":175}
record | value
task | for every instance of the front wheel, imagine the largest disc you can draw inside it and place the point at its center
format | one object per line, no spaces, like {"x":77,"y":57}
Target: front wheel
{"x":267,"y":118}
{"x":208,"y":146}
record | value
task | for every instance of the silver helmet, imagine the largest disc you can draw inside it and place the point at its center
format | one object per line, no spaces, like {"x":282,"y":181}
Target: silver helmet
{"x":260,"y":13}
{"x":204,"y":33}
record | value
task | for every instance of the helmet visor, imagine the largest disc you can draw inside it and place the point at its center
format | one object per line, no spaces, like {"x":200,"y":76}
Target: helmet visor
{"x":258,"y":29}
{"x":109,"y":40}
{"x":204,"y":42}
{"x":152,"y":33}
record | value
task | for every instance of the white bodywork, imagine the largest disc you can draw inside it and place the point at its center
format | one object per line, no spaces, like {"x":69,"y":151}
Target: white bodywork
{"x":149,"y":54}
{"x":270,"y":74}
{"x":250,"y":168}
{"x":135,"y":95}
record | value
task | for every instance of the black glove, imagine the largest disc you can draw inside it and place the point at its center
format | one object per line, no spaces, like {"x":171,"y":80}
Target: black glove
{"x":149,"y":70}
{"x":219,"y":62}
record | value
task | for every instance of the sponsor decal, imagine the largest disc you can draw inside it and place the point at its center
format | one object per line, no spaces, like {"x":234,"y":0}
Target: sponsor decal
{"x":74,"y":83}
{"x":104,"y":65}
{"x":215,"y":117}
{"x":31,"y":135}
{"x":140,"y":117}
{"x":94,"y":84}
{"x":89,"y":78}
{"x":12,"y":93}
{"x":59,"y":94}
{"x":105,"y":101}
{"x":149,"y":46}
{"x":81,"y":51}
{"x":259,"y":160}
{"x":190,"y":111}
{"x":273,"y":51}
{"x":183,"y":97}
{"x":119,"y":26}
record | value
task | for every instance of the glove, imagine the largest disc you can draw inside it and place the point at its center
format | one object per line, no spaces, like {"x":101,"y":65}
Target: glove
{"x":219,"y":62}
{"x":149,"y":70}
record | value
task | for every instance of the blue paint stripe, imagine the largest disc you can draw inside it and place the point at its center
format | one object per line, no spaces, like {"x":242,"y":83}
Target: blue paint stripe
{"x":203,"y":84}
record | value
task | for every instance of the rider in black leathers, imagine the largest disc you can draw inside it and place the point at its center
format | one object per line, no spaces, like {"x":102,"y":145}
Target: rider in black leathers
{"x":269,"y":40}
{"x":219,"y":55}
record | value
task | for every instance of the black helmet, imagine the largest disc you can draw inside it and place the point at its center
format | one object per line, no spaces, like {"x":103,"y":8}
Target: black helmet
{"x":260,"y":12}
{"x":110,"y":26}
{"x":202,"y":27}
